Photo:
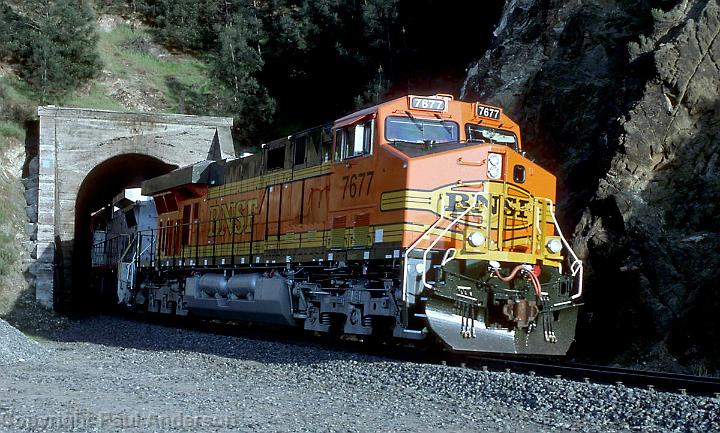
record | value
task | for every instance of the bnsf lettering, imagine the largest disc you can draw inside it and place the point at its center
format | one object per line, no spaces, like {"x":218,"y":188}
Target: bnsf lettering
{"x":228,"y":216}
{"x":458,"y":202}
{"x":495,"y":204}
{"x":516,"y":207}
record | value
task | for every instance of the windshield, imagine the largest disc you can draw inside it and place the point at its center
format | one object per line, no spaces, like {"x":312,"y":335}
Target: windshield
{"x":490,"y":135}
{"x":419,"y":130}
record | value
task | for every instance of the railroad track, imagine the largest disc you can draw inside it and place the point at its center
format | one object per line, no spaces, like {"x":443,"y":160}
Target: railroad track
{"x":652,"y":380}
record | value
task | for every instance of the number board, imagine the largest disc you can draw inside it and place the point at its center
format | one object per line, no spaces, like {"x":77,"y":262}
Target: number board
{"x":430,"y":104}
{"x":489,"y":112}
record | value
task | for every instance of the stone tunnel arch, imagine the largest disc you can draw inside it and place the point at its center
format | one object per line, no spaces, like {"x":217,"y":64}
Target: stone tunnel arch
{"x":87,"y":155}
{"x":97,"y":189}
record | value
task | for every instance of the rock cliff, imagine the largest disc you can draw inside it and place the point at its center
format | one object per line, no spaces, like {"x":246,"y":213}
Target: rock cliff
{"x":621,"y":100}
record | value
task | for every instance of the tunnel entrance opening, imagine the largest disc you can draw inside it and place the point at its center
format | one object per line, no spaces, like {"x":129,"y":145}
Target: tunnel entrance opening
{"x":98,"y":188}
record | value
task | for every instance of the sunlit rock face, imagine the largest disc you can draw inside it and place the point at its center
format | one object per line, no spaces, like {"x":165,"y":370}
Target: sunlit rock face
{"x":621,"y":100}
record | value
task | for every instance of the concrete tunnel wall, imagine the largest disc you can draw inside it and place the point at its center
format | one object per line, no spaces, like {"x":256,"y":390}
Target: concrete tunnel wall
{"x":74,"y":141}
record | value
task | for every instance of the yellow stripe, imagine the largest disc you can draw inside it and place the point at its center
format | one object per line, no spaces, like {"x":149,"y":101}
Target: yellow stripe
{"x":267,"y":179}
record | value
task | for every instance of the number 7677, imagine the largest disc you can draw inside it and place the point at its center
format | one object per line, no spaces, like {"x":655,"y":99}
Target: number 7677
{"x":354,"y":184}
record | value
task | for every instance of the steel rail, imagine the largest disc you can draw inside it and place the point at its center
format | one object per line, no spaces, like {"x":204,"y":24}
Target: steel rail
{"x":654,"y":380}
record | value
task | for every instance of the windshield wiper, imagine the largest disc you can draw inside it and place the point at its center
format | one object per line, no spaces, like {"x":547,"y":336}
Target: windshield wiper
{"x":415,"y":122}
{"x":447,"y":128}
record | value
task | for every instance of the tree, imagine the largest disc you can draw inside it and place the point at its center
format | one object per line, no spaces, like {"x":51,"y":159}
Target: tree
{"x":235,"y":66}
{"x":184,"y":24}
{"x":10,"y":22}
{"x":60,"y":48}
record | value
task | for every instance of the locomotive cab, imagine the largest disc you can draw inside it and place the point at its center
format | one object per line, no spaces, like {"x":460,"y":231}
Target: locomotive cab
{"x":486,"y":267}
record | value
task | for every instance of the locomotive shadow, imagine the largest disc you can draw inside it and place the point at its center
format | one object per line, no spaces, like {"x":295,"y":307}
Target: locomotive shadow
{"x":268,"y":344}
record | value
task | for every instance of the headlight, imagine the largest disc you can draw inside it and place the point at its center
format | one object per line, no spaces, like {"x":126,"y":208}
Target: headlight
{"x":494,"y":165}
{"x":476,"y":239}
{"x":554,"y":246}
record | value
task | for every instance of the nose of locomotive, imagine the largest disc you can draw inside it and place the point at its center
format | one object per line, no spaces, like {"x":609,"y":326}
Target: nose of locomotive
{"x":462,"y":328}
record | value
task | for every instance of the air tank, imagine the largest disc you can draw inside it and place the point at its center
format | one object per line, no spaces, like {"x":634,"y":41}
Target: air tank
{"x":243,"y":285}
{"x":214,"y":284}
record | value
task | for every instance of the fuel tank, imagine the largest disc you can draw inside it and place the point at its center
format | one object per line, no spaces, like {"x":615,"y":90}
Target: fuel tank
{"x":248,"y":297}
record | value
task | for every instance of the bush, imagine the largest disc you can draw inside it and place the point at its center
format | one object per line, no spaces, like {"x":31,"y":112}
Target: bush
{"x":53,"y":43}
{"x":11,"y":129}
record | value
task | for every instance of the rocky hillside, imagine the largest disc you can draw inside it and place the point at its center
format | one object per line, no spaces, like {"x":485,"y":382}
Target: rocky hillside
{"x":620,"y":98}
{"x":12,"y":223}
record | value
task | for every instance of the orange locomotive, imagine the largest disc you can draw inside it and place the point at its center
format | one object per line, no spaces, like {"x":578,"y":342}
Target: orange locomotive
{"x":413,"y":217}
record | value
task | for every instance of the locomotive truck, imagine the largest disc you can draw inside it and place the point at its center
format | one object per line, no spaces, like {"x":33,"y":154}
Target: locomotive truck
{"x":416,"y":218}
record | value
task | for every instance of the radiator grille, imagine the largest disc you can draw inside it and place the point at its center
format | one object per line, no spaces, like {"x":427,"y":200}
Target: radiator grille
{"x":337,"y":237}
{"x":361,"y":230}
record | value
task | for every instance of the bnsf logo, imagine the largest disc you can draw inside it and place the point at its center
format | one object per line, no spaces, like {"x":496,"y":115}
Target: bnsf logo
{"x":236,"y":216}
{"x":515,"y":207}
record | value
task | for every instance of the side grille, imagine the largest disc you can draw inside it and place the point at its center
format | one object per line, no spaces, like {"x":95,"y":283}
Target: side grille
{"x":337,"y":236}
{"x":361,"y":230}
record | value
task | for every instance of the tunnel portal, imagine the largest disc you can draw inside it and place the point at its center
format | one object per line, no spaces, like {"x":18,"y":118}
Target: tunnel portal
{"x":85,"y":158}
{"x":100,"y":186}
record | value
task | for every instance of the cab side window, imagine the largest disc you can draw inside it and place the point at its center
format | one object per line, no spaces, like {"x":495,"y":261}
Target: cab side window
{"x":299,"y":147}
{"x":276,"y":158}
{"x":354,"y":140}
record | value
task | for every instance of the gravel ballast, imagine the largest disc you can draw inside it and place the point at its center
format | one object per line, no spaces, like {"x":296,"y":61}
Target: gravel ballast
{"x":16,"y":347}
{"x":108,"y":374}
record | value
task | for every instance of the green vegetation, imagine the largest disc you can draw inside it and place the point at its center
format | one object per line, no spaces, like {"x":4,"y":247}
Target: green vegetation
{"x":94,"y":97}
{"x":11,"y":213}
{"x":15,"y":89}
{"x":265,"y":57}
{"x":11,"y":129}
{"x":276,"y":66}
{"x":53,"y":44}
{"x":15,"y":108}
{"x":129,"y":55}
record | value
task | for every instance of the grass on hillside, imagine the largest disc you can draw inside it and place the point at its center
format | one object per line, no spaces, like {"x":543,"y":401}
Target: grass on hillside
{"x":16,"y":105}
{"x":11,"y":129}
{"x":8,"y":254}
{"x":14,"y":89}
{"x":126,"y":54}
{"x":179,"y":81}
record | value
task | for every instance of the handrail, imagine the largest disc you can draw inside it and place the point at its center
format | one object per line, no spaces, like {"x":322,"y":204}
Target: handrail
{"x":128,"y":283}
{"x":111,"y":239}
{"x":442,"y":234}
{"x":131,"y":241}
{"x":576,"y":268}
{"x":471,"y":163}
{"x":415,"y":244}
